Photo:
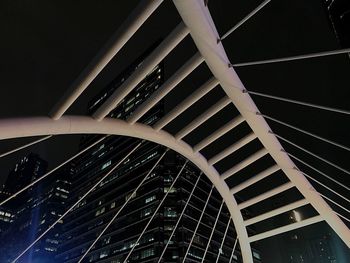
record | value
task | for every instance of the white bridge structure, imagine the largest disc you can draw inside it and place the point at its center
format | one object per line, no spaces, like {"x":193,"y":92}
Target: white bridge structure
{"x":198,"y":24}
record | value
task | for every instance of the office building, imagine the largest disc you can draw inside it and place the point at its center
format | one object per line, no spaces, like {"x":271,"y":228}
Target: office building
{"x":31,"y":212}
{"x":85,"y":223}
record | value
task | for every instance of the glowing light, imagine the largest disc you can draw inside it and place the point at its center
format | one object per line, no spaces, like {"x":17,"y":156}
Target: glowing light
{"x":297,"y":216}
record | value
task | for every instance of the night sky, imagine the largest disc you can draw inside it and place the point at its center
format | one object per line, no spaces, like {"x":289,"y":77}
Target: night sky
{"x":46,"y":44}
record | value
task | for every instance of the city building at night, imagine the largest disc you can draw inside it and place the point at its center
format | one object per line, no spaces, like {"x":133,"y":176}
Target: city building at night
{"x":33,"y":211}
{"x":81,"y":227}
{"x":227,"y":140}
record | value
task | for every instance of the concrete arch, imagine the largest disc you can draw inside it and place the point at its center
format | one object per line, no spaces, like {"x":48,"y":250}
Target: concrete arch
{"x":36,"y":126}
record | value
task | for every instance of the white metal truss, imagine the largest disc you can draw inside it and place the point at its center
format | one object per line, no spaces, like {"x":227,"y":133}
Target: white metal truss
{"x":196,"y":21}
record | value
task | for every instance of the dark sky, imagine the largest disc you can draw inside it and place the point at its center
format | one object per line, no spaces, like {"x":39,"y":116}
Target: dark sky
{"x":46,"y":44}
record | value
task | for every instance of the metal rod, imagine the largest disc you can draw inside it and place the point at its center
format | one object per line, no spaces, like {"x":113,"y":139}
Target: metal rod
{"x":122,"y":207}
{"x":214,"y":109}
{"x":164,"y":48}
{"x":218,"y":133}
{"x":275,"y":212}
{"x":312,"y":154}
{"x":233,"y":249}
{"x":178,"y":221}
{"x":25,"y":146}
{"x":51,"y":171}
{"x":246,"y":162}
{"x":155,"y":212}
{"x":334,"y":202}
{"x":109,"y":50}
{"x":223,"y":240}
{"x":299,"y":102}
{"x":340,"y":215}
{"x":232,"y":148}
{"x":263,"y":174}
{"x":312,"y":55}
{"x":212,"y":231}
{"x":318,"y":171}
{"x":186,"y":103}
{"x":266,"y":195}
{"x":76,"y":203}
{"x":325,"y":186}
{"x":168,"y":86}
{"x":305,"y":132}
{"x":251,"y":14}
{"x":199,"y":221}
{"x":284,"y":229}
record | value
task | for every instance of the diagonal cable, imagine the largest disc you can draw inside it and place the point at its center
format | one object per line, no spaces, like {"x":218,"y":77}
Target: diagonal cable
{"x":76,"y":203}
{"x":25,"y":146}
{"x":122,"y":207}
{"x":325,"y":186}
{"x":311,"y":105}
{"x":223,"y":240}
{"x":305,"y":132}
{"x":343,"y":217}
{"x":212,"y":231}
{"x":51,"y":171}
{"x":155,"y":212}
{"x":334,"y":202}
{"x":245,"y":19}
{"x":298,"y":57}
{"x":178,"y":221}
{"x":318,"y":171}
{"x":312,"y":154}
{"x":199,"y":221}
{"x":233,"y":250}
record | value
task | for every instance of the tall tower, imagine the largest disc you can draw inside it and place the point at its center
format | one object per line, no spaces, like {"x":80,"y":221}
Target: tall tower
{"x":33,"y":211}
{"x":87,"y":220}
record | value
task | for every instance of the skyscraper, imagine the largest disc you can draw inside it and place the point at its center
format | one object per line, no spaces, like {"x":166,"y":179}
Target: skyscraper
{"x":85,"y":223}
{"x":31,"y":212}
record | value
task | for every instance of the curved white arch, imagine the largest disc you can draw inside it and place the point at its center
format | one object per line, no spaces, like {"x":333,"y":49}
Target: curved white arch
{"x":35,"y":126}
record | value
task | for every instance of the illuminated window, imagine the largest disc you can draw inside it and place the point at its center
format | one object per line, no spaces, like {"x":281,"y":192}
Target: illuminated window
{"x":104,"y":166}
{"x":100,"y":211}
{"x":150,"y":199}
{"x":147,"y":253}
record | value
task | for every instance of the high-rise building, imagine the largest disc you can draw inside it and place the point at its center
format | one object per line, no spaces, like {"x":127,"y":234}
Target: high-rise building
{"x":87,"y":220}
{"x":31,"y":212}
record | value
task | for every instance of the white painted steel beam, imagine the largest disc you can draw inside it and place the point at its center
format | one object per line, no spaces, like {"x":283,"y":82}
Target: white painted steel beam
{"x":197,"y":18}
{"x":186,"y":103}
{"x":232,"y":148}
{"x":222,"y":103}
{"x":167,"y":45}
{"x":238,"y":167}
{"x":218,"y":133}
{"x":127,"y":29}
{"x":36,"y":126}
{"x":255,"y":179}
{"x":266,"y":195}
{"x":284,"y":229}
{"x":168,"y":86}
{"x":276,"y":212}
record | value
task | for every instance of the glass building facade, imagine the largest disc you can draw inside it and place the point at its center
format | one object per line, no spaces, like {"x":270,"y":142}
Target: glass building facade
{"x":85,"y":223}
